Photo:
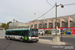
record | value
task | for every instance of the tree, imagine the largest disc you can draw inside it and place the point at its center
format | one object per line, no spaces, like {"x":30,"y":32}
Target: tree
{"x":8,"y":23}
{"x":4,"y":25}
{"x":48,"y":32}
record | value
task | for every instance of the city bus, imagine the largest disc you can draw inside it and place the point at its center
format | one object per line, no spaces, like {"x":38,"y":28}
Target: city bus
{"x":27,"y":35}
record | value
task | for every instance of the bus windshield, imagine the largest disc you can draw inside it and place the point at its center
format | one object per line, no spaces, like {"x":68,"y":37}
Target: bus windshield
{"x":34,"y":33}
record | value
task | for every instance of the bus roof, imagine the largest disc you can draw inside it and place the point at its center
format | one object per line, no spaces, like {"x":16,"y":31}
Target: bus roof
{"x":16,"y":29}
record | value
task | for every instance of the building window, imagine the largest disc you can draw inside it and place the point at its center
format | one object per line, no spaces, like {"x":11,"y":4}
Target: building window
{"x":40,"y":25}
{"x":35,"y":26}
{"x":45,"y":25}
{"x":31,"y":26}
{"x":58,"y":24}
{"x":66,"y":24}
{"x":63,"y":24}
{"x":50,"y":25}
{"x":72,"y":24}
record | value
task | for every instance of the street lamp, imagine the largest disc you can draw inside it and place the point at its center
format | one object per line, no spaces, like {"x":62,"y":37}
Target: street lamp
{"x":13,"y":22}
{"x":43,"y":21}
{"x":57,"y":38}
{"x":34,"y":15}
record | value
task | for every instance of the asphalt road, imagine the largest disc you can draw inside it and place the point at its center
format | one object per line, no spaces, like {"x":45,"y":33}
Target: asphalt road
{"x":17,"y":45}
{"x":63,"y":39}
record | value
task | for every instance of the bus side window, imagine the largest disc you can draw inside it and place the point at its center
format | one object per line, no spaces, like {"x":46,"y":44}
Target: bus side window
{"x":13,"y":32}
{"x":10,"y":32}
{"x":16,"y":32}
{"x":6,"y":32}
{"x":22,"y":33}
{"x":26,"y":32}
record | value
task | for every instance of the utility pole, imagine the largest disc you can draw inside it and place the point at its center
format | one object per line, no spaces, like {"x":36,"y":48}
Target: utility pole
{"x":56,"y":16}
{"x":42,"y":21}
{"x":34,"y":20}
{"x":13,"y":23}
{"x":34,"y":15}
{"x":56,"y":38}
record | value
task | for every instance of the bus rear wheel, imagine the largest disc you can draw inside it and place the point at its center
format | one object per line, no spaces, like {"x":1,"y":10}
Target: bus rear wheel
{"x":8,"y":38}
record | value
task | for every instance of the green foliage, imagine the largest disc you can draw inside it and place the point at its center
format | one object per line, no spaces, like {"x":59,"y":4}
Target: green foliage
{"x":48,"y":31}
{"x":8,"y":23}
{"x":4,"y":25}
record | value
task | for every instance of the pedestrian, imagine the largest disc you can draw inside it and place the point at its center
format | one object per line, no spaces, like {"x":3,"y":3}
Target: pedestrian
{"x":42,"y":34}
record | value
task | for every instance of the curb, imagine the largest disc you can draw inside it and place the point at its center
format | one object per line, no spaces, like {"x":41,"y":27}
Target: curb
{"x":60,"y":36}
{"x":2,"y":37}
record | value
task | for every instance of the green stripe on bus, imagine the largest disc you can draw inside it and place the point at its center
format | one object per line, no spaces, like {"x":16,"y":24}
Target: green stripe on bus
{"x":25,"y":38}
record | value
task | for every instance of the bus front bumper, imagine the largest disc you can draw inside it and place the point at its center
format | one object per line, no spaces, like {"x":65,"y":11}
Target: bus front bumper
{"x":33,"y":38}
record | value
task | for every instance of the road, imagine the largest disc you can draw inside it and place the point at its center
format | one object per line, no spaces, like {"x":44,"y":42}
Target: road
{"x":63,"y":39}
{"x":17,"y":45}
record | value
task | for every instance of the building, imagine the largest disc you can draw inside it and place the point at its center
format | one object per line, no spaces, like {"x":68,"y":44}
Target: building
{"x":0,"y":24}
{"x":63,"y":21}
{"x":15,"y":25}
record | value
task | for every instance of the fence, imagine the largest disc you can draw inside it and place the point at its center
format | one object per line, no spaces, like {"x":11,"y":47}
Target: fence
{"x":2,"y":33}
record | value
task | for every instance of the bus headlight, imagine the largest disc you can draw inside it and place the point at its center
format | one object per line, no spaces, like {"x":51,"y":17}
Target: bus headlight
{"x":29,"y":38}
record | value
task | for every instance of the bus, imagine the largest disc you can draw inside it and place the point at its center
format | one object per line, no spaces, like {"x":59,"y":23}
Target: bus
{"x":27,"y":35}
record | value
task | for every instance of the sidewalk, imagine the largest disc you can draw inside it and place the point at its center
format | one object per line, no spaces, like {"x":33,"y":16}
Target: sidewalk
{"x":45,"y":41}
{"x":2,"y":37}
{"x":72,"y":36}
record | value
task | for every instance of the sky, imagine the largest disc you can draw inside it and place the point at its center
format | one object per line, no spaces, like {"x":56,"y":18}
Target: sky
{"x":23,"y":10}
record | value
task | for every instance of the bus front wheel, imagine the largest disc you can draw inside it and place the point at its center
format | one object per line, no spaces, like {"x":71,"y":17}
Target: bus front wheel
{"x":36,"y":41}
{"x":8,"y":38}
{"x":21,"y":40}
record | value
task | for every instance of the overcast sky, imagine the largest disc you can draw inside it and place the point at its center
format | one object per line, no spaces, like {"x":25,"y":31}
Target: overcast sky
{"x":23,"y":10}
